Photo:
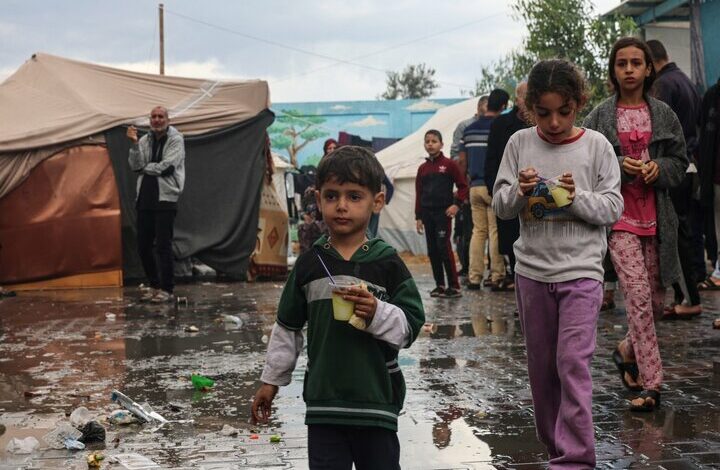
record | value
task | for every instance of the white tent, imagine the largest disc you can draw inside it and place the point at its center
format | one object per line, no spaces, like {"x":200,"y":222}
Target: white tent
{"x":401,"y":161}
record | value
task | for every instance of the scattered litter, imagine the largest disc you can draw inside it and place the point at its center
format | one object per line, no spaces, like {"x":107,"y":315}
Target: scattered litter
{"x":201,"y":383}
{"x":264,"y":339}
{"x":122,"y":417}
{"x":192,"y":329}
{"x":143,"y":414}
{"x":275,"y":438}
{"x":92,"y":431}
{"x":232,"y":319}
{"x":95,"y":459}
{"x":182,"y":301}
{"x":133,"y":461}
{"x":617,"y":327}
{"x":56,"y":438}
{"x":73,"y":444}
{"x":227,"y":294}
{"x":80,"y":416}
{"x":109,"y":316}
{"x":22,"y":446}
{"x":228,"y":348}
{"x":228,"y":430}
{"x":254,"y":436}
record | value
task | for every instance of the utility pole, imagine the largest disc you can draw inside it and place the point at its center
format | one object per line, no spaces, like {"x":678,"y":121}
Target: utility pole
{"x":162,"y":38}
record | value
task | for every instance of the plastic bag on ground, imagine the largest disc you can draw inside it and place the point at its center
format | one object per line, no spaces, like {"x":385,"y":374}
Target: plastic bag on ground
{"x":92,"y":432}
{"x":80,"y":416}
{"x":22,"y":446}
{"x":122,"y":417}
{"x":56,"y":438}
{"x":73,"y":444}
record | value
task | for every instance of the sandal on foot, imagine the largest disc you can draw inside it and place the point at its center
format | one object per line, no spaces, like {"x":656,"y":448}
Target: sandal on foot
{"x":687,"y":312}
{"x":669,"y":313}
{"x":503,"y":285}
{"x":709,"y":284}
{"x":629,"y":368}
{"x":651,"y":401}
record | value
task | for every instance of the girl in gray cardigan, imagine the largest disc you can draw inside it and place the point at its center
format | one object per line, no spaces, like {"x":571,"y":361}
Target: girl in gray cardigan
{"x":648,"y":141}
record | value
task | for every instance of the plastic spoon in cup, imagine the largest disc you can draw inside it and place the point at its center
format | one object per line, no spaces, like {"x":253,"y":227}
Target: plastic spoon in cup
{"x":326,"y":269}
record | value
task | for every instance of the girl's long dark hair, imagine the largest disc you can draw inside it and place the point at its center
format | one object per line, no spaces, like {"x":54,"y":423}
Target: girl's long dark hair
{"x":555,"y":76}
{"x":622,"y":43}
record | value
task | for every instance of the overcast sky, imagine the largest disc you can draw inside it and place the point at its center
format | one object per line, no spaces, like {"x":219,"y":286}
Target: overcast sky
{"x":302,"y":48}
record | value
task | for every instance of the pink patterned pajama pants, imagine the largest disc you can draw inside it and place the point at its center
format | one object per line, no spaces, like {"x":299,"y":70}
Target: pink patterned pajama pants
{"x":636,"y":262}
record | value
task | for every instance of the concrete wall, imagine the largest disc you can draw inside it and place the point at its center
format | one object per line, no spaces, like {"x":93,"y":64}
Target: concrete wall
{"x":676,"y":39}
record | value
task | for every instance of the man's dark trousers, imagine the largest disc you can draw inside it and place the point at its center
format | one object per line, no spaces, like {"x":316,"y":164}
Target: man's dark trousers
{"x":155,"y":227}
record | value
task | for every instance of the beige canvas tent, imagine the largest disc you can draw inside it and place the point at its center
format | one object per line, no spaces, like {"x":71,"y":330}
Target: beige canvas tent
{"x":62,"y":147}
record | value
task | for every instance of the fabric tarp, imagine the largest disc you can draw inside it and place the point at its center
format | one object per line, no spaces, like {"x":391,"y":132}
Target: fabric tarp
{"x":64,"y":219}
{"x":50,"y":100}
{"x":218,"y":212}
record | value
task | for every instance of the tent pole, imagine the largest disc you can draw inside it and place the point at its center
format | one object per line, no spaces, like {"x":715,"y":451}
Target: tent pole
{"x":161,"y":17}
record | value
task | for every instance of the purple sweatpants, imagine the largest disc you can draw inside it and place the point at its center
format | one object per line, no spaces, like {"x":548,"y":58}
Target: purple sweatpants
{"x":559,"y":322}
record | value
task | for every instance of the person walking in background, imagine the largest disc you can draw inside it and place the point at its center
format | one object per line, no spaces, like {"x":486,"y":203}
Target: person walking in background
{"x":473,"y":150}
{"x":502,"y":128}
{"x":435,"y":207}
{"x":463,"y":221}
{"x":560,"y":251}
{"x":676,"y":90}
{"x":158,"y":158}
{"x":650,"y":149}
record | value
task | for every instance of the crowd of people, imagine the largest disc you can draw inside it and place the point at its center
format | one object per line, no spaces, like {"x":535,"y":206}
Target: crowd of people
{"x":566,"y":212}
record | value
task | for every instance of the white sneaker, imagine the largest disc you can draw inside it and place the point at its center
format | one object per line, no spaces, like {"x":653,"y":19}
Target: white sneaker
{"x":162,"y":297}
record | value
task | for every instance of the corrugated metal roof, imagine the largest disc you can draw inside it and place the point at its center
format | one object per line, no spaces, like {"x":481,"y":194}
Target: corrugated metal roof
{"x":651,"y":11}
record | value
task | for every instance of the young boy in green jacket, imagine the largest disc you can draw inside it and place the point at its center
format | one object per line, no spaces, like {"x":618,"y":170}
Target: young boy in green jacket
{"x":353,"y":387}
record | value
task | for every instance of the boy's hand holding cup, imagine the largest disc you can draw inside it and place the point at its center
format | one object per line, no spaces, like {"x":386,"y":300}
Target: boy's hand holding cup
{"x":354,"y":300}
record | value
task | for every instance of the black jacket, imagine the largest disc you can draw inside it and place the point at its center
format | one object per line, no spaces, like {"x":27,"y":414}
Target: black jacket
{"x":709,"y":142}
{"x":502,"y":128}
{"x":676,"y":90}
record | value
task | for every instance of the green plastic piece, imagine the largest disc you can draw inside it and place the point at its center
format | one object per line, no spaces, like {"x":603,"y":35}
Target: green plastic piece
{"x":200,"y":382}
{"x":275,"y":438}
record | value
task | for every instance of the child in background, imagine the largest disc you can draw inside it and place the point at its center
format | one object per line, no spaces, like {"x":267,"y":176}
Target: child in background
{"x":435,"y":207}
{"x":353,"y":388}
{"x":560,"y":252}
{"x":648,"y":141}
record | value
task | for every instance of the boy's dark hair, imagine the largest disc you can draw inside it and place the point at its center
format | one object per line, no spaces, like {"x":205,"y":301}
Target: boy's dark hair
{"x":555,"y":76}
{"x":351,"y":164}
{"x":622,"y":43}
{"x":657,"y":50}
{"x":434,"y":132}
{"x":497,"y":100}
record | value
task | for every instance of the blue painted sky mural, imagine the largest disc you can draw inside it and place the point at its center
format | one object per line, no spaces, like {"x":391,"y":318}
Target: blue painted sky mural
{"x":301,"y":128}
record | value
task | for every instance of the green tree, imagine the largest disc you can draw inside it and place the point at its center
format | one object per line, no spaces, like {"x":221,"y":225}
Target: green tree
{"x":292,"y":131}
{"x":416,"y":81}
{"x":568,"y":29}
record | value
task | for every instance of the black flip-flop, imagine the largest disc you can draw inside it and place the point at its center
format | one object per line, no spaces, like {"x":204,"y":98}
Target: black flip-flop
{"x":708,"y":284}
{"x":654,"y":395}
{"x":627,"y":367}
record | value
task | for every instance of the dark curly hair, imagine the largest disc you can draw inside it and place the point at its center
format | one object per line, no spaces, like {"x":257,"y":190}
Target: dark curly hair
{"x":622,"y":43}
{"x":351,"y":164}
{"x":555,"y":76}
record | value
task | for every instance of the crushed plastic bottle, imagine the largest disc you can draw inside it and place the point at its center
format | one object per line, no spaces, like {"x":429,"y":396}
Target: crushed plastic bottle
{"x":80,"y":417}
{"x":142,"y":413}
{"x":201,"y":383}
{"x":73,"y":444}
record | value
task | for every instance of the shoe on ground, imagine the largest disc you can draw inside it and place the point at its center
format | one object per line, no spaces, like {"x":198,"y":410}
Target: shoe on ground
{"x":437,"y":292}
{"x":452,"y":293}
{"x":162,"y":297}
{"x":147,"y":293}
{"x":472,"y":286}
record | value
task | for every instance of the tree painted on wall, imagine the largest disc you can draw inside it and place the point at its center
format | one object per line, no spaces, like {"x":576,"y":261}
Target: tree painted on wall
{"x":292,"y":131}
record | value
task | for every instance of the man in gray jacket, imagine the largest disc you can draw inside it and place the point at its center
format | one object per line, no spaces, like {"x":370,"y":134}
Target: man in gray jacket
{"x":159,"y":159}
